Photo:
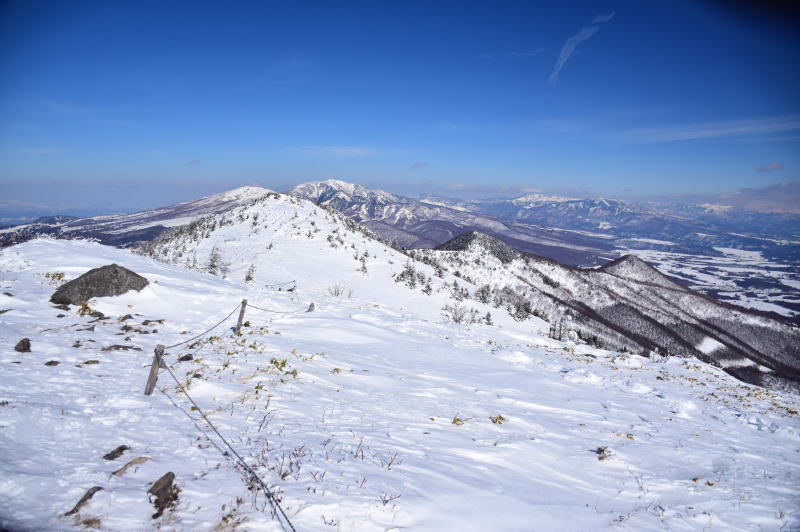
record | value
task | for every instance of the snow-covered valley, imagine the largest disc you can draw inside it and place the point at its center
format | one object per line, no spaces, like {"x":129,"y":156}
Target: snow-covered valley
{"x":373,"y":412}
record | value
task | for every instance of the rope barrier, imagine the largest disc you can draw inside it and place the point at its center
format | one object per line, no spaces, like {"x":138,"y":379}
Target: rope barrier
{"x":277,"y":311}
{"x":278,"y":285}
{"x":292,"y":288}
{"x":206,"y":332}
{"x":277,"y":511}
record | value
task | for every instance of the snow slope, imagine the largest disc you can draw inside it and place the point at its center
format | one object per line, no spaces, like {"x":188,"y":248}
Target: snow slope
{"x":371,"y":413}
{"x":122,"y":229}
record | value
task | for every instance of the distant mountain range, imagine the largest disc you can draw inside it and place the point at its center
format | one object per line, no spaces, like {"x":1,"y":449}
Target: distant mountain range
{"x":575,"y":231}
{"x":748,"y":258}
{"x":416,"y":224}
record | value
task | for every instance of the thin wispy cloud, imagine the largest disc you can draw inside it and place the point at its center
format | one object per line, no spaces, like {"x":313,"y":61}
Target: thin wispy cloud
{"x":712,"y":130}
{"x":417,"y":166}
{"x":193,"y":162}
{"x":572,"y":44}
{"x":771,"y":167}
{"x":604,"y":17}
{"x":331,"y":151}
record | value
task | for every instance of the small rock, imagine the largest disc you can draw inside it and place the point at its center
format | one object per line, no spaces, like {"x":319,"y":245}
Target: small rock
{"x":165,"y":493}
{"x":148,"y":322}
{"x":9,"y":294}
{"x":118,"y":347}
{"x":62,"y":307}
{"x":125,"y":317}
{"x":3,"y":311}
{"x":77,"y":343}
{"x":60,"y":315}
{"x":312,"y":307}
{"x":23,"y":346}
{"x":92,"y":362}
{"x":185,"y":358}
{"x":136,"y":461}
{"x":97,"y":314}
{"x":87,"y":496}
{"x":87,"y":329}
{"x":52,"y":363}
{"x":116,"y":453}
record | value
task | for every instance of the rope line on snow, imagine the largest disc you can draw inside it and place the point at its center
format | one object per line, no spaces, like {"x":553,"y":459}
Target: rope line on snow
{"x":292,"y":288}
{"x":277,"y":311}
{"x":206,"y":332}
{"x":277,"y":511}
{"x":278,"y":285}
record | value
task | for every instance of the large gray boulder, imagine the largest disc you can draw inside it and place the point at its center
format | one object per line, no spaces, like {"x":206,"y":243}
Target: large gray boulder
{"x":111,"y":280}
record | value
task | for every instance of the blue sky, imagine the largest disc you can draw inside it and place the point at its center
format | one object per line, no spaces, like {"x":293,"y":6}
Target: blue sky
{"x":602,"y":97}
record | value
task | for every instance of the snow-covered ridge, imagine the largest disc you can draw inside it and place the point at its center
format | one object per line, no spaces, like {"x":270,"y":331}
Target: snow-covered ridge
{"x":122,"y":229}
{"x":334,"y":190}
{"x":627,"y":305}
{"x":589,"y":232}
{"x":538,"y":199}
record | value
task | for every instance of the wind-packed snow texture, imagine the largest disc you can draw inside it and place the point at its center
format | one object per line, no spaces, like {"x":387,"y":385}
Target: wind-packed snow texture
{"x":373,"y":412}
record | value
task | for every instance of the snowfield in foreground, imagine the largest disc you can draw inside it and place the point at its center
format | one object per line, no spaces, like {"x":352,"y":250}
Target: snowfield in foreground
{"x":370,"y":413}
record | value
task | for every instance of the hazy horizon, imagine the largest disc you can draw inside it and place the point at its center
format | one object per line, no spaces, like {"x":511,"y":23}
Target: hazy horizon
{"x":48,"y":200}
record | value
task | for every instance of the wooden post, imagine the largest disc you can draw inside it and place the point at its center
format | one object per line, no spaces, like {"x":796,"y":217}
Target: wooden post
{"x":154,"y":367}
{"x":241,"y":316}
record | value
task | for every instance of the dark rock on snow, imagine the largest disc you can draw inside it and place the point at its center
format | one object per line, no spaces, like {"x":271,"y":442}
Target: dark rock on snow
{"x":165,"y":492}
{"x":87,"y":496}
{"x":118,"y":347}
{"x":23,"y":346}
{"x":116,"y":453}
{"x":52,"y":363}
{"x":185,"y":358}
{"x":111,"y":280}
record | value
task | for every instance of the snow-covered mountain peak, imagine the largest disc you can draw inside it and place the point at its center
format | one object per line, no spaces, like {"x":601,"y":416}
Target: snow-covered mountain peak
{"x":633,"y":268}
{"x":336,"y":190}
{"x":481,"y":243}
{"x":124,"y":229}
{"x":242,"y":193}
{"x":539,"y":199}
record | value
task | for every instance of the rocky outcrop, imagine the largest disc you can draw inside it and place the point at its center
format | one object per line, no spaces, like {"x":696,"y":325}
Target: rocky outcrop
{"x":111,"y":280}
